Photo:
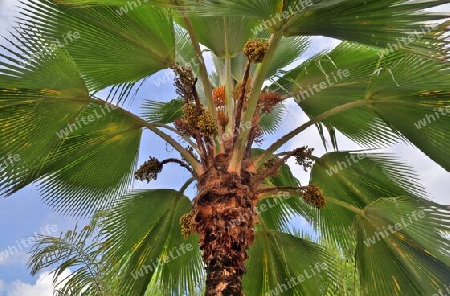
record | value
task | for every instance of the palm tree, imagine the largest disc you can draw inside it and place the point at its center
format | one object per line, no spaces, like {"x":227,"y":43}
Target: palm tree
{"x":83,"y":254}
{"x":386,"y":82}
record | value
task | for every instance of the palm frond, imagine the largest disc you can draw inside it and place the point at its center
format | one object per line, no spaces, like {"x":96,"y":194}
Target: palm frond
{"x":225,"y":36}
{"x":65,"y":140}
{"x":376,"y":23}
{"x":408,"y":235}
{"x":132,"y":46}
{"x":398,"y":101}
{"x":357,"y":180}
{"x":77,"y":250}
{"x":271,"y":269}
{"x":270,"y":122}
{"x":162,"y":112}
{"x":145,"y":234}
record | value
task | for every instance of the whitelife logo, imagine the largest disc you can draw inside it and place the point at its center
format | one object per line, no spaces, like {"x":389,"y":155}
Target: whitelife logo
{"x":25,"y":243}
{"x":378,"y":236}
{"x":163,"y":259}
{"x":293,"y":281}
{"x":291,"y":11}
{"x":71,"y":127}
{"x":330,"y":80}
{"x":429,"y":118}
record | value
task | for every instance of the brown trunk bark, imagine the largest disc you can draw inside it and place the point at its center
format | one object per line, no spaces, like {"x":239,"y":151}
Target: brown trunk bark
{"x":224,"y":219}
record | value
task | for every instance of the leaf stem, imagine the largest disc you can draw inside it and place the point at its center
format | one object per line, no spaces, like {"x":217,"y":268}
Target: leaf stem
{"x":280,"y":142}
{"x":180,"y":162}
{"x":345,"y":205}
{"x":168,"y":127}
{"x":152,"y":127}
{"x":186,"y":185}
{"x":202,"y":68}
{"x":260,"y":77}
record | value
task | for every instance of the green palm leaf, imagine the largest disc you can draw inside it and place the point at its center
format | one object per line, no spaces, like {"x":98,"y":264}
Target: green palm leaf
{"x":412,"y":242}
{"x":394,"y":100}
{"x":65,"y":139}
{"x":289,"y":50}
{"x":132,"y":46}
{"x":184,"y":51}
{"x":378,"y":23}
{"x":368,"y":22}
{"x":225,"y":36}
{"x":352,"y":181}
{"x":274,"y":261}
{"x":146,"y":236}
{"x":113,"y":2}
{"x":270,"y":122}
{"x":79,"y":250}
{"x":386,"y":193}
{"x":356,"y":180}
{"x":162,"y":112}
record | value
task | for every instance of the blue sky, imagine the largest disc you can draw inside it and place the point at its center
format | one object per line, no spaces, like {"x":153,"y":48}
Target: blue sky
{"x":23,"y":214}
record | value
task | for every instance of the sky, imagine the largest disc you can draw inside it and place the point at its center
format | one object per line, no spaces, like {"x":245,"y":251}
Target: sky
{"x":23,"y":214}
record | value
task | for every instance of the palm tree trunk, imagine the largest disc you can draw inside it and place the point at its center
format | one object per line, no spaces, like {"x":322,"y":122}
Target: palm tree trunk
{"x":224,"y":218}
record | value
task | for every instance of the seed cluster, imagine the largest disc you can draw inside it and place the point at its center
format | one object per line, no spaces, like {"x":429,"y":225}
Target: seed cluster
{"x":218,"y":95}
{"x":184,"y":81}
{"x":255,"y":50}
{"x":268,"y":100}
{"x":206,"y":124}
{"x":195,"y":119}
{"x":191,"y":114}
{"x":187,"y":228}
{"x":149,"y":170}
{"x":303,"y":157}
{"x":313,"y":195}
{"x":183,"y":127}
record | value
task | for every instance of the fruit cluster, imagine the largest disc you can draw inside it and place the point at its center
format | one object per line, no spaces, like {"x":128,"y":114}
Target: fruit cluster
{"x":268,"y":100}
{"x":186,"y":224}
{"x":255,"y":50}
{"x":195,"y":118}
{"x":303,"y":157}
{"x":313,"y":195}
{"x":184,"y":81}
{"x":149,"y":170}
{"x":218,"y":95}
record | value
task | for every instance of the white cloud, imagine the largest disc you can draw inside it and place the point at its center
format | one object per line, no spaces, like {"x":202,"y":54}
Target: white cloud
{"x":2,"y":286}
{"x":42,"y":287}
{"x":19,"y":258}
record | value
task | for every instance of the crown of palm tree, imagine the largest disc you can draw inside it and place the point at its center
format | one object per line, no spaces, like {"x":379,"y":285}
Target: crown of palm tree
{"x":388,"y":81}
